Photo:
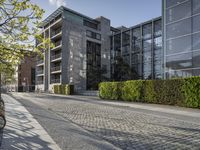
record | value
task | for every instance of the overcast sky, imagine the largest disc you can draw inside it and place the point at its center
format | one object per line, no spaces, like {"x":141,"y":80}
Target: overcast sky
{"x":120,"y":12}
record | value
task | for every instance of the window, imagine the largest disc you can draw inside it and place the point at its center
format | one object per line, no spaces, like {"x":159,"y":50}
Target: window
{"x":196,"y":41}
{"x":196,"y":59}
{"x":180,"y":28}
{"x":196,"y":7}
{"x":195,"y":23}
{"x":170,"y":3}
{"x":147,"y":31}
{"x":93,"y":35}
{"x":157,"y":28}
{"x":90,"y":24}
{"x":125,"y":38}
{"x":182,"y":44}
{"x":178,"y":12}
{"x":180,"y":61}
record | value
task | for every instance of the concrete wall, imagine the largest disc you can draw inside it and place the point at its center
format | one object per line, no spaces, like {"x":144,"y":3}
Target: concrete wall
{"x":105,"y":44}
{"x":74,"y":52}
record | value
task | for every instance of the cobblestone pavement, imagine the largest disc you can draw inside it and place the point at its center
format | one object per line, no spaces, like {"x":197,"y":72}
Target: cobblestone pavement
{"x":123,"y":127}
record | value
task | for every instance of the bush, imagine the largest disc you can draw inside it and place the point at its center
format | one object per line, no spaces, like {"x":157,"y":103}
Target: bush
{"x":110,"y":90}
{"x":64,"y":89}
{"x":180,"y":92}
{"x":191,"y":89}
{"x":132,"y":90}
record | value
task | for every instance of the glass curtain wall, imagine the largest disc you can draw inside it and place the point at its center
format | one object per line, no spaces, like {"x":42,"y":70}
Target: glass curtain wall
{"x":182,"y":38}
{"x":147,"y":51}
{"x":136,"y":51}
{"x":126,"y":46}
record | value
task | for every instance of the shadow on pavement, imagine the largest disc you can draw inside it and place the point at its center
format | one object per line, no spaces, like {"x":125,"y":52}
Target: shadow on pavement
{"x":19,"y":132}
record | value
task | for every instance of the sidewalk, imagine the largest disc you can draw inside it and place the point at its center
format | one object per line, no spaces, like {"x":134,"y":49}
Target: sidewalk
{"x":22,"y":131}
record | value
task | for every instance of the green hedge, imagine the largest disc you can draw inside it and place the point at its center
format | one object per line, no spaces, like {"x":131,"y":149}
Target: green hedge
{"x":181,"y":92}
{"x":64,"y":89}
{"x":132,"y":90}
{"x":110,"y":90}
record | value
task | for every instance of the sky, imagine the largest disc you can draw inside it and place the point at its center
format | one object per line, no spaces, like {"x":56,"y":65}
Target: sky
{"x":121,"y":12}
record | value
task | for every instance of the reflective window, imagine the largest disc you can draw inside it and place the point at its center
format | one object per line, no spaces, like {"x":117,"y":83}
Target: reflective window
{"x":179,"y":73}
{"x":196,"y":23}
{"x":125,"y":38}
{"x":158,"y":43}
{"x":179,"y":28}
{"x":196,"y":59}
{"x":178,"y":12}
{"x":147,"y":45}
{"x":196,"y":41}
{"x":170,"y":3}
{"x":182,"y":44}
{"x":196,"y":6}
{"x":147,"y":31}
{"x":196,"y":72}
{"x":180,"y":61}
{"x":157,"y":28}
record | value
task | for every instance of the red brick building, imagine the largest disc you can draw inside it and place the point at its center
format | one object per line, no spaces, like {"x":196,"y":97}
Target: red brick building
{"x":26,"y":73}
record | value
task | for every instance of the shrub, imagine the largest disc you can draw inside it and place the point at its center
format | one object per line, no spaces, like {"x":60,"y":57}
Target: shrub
{"x":191,"y":89}
{"x":180,"y":92}
{"x":149,"y":94}
{"x":110,"y":90}
{"x":131,"y":90}
{"x":64,"y":89}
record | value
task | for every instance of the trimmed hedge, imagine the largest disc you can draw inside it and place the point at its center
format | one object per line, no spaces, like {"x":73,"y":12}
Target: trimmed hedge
{"x":110,"y":90}
{"x":181,"y":92}
{"x":64,"y":89}
{"x":132,"y":90}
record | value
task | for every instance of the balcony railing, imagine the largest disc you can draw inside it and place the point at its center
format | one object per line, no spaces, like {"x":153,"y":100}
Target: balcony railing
{"x":55,"y":32}
{"x":55,"y":80}
{"x":40,"y":82}
{"x":57,"y":43}
{"x":40,"y":62}
{"x":40,"y":71}
{"x":53,"y":57}
{"x":56,"y":68}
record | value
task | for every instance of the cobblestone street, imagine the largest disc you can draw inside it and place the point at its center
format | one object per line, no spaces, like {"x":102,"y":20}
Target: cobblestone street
{"x":123,"y":127}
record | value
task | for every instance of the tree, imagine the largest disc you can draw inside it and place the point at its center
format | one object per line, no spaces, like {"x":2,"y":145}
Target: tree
{"x":19,"y":21}
{"x":122,"y":71}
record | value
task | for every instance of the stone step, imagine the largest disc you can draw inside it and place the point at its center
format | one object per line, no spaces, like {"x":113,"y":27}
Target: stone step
{"x":88,"y":93}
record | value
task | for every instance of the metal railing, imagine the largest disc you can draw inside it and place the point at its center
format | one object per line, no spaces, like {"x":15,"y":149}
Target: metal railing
{"x":40,"y":62}
{"x":55,"y":32}
{"x":56,"y":56}
{"x":40,"y":82}
{"x":40,"y":71}
{"x":55,"y":80}
{"x":56,"y":68}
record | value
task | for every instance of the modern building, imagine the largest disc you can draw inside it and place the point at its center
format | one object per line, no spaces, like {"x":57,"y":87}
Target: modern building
{"x":181,"y":20}
{"x":140,"y":47}
{"x":81,"y":47}
{"x":86,"y":49}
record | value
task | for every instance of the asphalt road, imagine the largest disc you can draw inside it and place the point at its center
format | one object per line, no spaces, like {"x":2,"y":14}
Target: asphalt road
{"x":80,"y":122}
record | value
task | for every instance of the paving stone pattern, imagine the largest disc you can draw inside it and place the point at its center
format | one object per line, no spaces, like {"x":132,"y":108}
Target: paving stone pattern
{"x":128,"y":129}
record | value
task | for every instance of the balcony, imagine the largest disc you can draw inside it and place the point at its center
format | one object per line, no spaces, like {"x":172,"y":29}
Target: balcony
{"x":56,"y":80}
{"x":57,"y":45}
{"x":40,"y":72}
{"x":40,"y":62}
{"x":56,"y":33}
{"x":56,"y":57}
{"x":40,"y":82}
{"x":56,"y":69}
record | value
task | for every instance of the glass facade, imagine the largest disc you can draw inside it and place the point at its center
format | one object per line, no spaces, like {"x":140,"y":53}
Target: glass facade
{"x":93,"y":65}
{"x":141,"y":48}
{"x":181,"y":38}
